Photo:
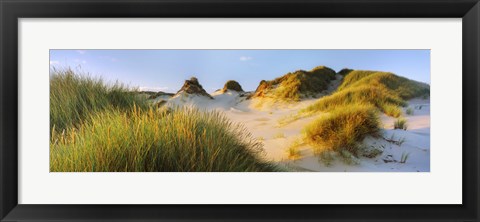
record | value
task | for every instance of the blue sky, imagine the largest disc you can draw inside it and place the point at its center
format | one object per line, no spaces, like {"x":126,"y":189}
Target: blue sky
{"x":166,"y":70}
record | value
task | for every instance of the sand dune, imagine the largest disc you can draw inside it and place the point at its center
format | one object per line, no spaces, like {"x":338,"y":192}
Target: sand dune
{"x":263,"y":123}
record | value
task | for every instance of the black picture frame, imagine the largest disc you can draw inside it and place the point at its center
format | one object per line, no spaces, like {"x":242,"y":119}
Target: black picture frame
{"x":11,"y":11}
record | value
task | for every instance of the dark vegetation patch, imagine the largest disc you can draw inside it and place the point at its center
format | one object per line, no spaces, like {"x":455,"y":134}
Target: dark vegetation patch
{"x":296,"y":85}
{"x":193,"y":87}
{"x":154,"y":95}
{"x":345,"y":71}
{"x":232,"y":85}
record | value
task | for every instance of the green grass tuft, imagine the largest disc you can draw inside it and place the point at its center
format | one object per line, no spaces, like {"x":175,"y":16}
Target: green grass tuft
{"x":293,"y":151}
{"x":391,"y":110}
{"x":177,"y":140}
{"x":343,"y":129}
{"x":371,"y":152}
{"x":348,"y":158}
{"x":400,"y":123}
{"x":409,"y":111}
{"x":327,"y":157}
{"x":404,"y":157}
{"x":73,"y":98}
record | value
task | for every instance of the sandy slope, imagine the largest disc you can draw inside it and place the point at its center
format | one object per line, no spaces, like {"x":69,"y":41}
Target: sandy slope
{"x":264,"y":125}
{"x":263,"y":122}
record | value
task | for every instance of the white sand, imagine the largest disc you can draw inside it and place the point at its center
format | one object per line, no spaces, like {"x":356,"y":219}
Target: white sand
{"x":261,"y":117}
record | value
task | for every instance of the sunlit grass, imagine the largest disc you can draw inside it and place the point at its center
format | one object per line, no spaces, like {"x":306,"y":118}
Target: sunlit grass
{"x":97,"y":127}
{"x":296,"y":85}
{"x":391,"y":110}
{"x":400,"y":123}
{"x":74,"y":97}
{"x":362,"y":95}
{"x":383,"y":90}
{"x":343,"y":129}
{"x":293,"y":151}
{"x":182,"y":139}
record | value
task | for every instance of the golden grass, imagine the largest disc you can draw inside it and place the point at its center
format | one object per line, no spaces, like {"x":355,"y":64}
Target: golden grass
{"x":97,"y":127}
{"x":383,"y":90}
{"x":343,"y":129}
{"x":296,"y":85}
{"x":74,"y":97}
{"x":362,"y":95}
{"x":400,"y":86}
{"x":293,"y":152}
{"x":391,"y":110}
{"x":400,"y":123}
{"x":178,"y":140}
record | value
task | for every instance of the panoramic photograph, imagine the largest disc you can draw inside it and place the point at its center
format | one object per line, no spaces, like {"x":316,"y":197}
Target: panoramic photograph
{"x":239,"y":110}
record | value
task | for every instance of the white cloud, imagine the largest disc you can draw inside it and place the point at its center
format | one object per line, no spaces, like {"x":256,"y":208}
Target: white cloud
{"x":245,"y":58}
{"x":54,"y":62}
{"x":154,"y":89}
{"x":81,"y":51}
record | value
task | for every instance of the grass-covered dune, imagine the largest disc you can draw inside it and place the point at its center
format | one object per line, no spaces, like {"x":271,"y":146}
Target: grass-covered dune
{"x":153,"y":95}
{"x":345,"y":71}
{"x":401,"y":86}
{"x":96,"y":127}
{"x":296,"y":85}
{"x":232,"y":85}
{"x":351,"y":113}
{"x":384,"y":90}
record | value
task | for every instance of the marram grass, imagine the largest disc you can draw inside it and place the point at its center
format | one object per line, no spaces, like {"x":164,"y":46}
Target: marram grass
{"x":350,"y":114}
{"x":177,"y":140}
{"x":294,"y":86}
{"x":343,"y":128}
{"x":74,"y":97}
{"x":99,"y":127}
{"x":383,"y":90}
{"x":400,"y":123}
{"x":361,"y":95}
